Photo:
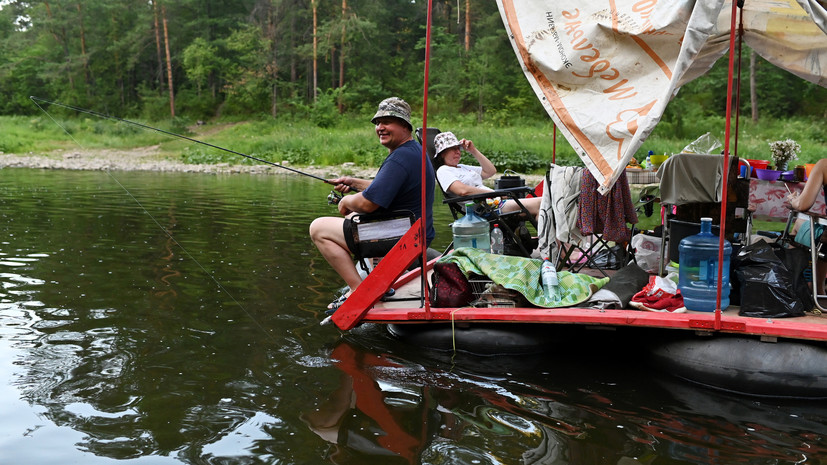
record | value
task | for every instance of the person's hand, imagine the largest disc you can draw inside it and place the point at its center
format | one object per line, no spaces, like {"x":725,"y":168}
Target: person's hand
{"x":467,"y":144}
{"x":345,"y":207}
{"x":341,"y":184}
{"x":793,"y":200}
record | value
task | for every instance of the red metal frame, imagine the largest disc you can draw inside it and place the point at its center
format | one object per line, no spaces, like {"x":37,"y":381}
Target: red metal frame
{"x":360,"y":305}
{"x":812,"y":328}
{"x":401,"y":256}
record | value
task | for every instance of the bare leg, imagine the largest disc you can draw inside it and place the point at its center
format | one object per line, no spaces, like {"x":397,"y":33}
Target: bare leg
{"x":532,"y":204}
{"x":821,"y":275}
{"x":326,"y":233}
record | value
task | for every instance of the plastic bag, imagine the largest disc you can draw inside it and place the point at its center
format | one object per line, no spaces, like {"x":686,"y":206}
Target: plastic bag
{"x":771,"y":280}
{"x":613,"y":258}
{"x":647,"y":252}
{"x":661,"y":294}
{"x":707,"y":143}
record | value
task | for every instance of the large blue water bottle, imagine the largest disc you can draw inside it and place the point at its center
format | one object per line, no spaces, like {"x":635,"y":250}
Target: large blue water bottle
{"x":698,"y":272}
{"x":471,"y":231}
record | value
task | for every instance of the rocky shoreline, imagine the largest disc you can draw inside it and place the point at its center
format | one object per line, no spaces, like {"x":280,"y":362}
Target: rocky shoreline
{"x":149,"y":159}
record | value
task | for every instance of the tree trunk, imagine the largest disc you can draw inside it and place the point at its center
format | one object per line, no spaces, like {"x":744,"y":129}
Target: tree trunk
{"x":159,"y":75}
{"x":342,"y":57}
{"x":169,"y":62}
{"x":333,"y":66}
{"x":86,"y":74}
{"x":273,"y":66}
{"x":315,"y":53}
{"x":467,"y":25}
{"x":293,"y":62}
{"x":119,"y":74}
{"x":61,"y":39}
{"x":753,"y":95}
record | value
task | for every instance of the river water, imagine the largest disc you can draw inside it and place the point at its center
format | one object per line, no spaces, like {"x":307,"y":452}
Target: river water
{"x":158,"y":318}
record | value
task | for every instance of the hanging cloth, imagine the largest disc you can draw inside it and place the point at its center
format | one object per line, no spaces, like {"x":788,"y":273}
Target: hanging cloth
{"x":608,"y":214}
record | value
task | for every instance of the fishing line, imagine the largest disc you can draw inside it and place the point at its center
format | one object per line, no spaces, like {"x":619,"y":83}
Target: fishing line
{"x":168,"y":234}
{"x":180,"y":136}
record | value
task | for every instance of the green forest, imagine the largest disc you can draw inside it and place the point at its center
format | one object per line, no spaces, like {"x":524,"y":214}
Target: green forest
{"x":323,"y":63}
{"x":287,"y":57}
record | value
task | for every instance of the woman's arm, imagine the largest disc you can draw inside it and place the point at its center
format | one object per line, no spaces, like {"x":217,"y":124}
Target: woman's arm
{"x":461,"y":189}
{"x":814,"y":185}
{"x":488,"y":168}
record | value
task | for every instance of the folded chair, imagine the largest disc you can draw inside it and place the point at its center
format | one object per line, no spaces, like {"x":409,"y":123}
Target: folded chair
{"x":372,"y":235}
{"x":810,"y":236}
{"x":690,"y":188}
{"x":573,"y":223}
{"x":604,"y":219}
{"x":518,"y":240}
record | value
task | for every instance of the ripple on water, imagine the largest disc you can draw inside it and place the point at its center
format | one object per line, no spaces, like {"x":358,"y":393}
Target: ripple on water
{"x":448,"y":452}
{"x":13,"y":278}
{"x":244,"y":436}
{"x":86,"y":410}
{"x":16,"y":322}
{"x":67,"y":337}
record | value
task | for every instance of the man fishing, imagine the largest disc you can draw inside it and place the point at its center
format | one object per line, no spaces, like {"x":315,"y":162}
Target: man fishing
{"x":397,"y":186}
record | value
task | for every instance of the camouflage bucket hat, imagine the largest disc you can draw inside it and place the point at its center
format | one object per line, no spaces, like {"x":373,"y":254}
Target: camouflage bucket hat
{"x":443,"y":141}
{"x":396,"y":107}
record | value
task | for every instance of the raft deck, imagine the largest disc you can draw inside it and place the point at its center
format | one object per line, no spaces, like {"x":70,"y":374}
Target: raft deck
{"x":405,"y":307}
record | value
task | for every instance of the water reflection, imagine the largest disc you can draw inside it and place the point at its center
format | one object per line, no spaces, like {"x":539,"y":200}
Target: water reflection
{"x":478,"y":410}
{"x":118,"y":344}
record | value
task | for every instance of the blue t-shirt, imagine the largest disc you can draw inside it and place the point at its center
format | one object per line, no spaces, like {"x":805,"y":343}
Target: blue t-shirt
{"x":398,"y":184}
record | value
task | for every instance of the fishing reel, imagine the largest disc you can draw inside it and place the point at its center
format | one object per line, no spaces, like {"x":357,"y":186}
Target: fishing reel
{"x":334,"y":197}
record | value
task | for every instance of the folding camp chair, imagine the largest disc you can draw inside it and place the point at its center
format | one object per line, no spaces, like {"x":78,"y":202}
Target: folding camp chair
{"x":690,"y":188}
{"x":372,"y":235}
{"x":518,"y":240}
{"x":811,"y":237}
{"x":575,"y":242}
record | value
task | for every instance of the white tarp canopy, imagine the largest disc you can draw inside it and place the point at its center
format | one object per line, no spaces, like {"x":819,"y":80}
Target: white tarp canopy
{"x":605,"y":70}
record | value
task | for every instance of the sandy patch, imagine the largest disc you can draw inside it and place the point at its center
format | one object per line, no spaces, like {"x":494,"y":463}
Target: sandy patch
{"x":150,"y":159}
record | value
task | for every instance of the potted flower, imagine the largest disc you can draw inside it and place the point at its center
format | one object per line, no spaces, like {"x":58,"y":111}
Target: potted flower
{"x":783,"y":151}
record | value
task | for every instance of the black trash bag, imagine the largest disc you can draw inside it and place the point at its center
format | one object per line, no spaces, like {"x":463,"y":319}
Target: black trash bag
{"x":627,"y":282}
{"x":797,"y":260}
{"x":771,"y":280}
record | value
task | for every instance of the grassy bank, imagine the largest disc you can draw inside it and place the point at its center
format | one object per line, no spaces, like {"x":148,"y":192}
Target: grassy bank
{"x":525,"y":148}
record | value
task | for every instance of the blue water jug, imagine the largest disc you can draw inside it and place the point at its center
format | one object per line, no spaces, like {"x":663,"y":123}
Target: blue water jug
{"x":698,"y":272}
{"x":471,"y":231}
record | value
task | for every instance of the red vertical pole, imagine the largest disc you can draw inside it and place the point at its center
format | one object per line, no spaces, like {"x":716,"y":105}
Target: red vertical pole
{"x":722,"y":238}
{"x":424,"y":232}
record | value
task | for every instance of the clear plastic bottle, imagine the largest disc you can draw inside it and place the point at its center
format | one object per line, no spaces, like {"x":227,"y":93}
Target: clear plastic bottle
{"x":549,"y":276}
{"x":497,"y":240}
{"x":649,"y":160}
{"x":698,"y":272}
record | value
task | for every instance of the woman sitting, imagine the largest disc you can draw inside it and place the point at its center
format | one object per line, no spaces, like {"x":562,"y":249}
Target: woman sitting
{"x":461,"y":180}
{"x":816,"y":184}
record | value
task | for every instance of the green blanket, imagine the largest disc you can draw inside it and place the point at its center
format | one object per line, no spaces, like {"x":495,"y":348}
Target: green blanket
{"x":523,"y":275}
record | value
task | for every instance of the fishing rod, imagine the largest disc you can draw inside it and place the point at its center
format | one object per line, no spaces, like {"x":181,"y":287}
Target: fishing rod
{"x":333,"y":198}
{"x":158,"y":223}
